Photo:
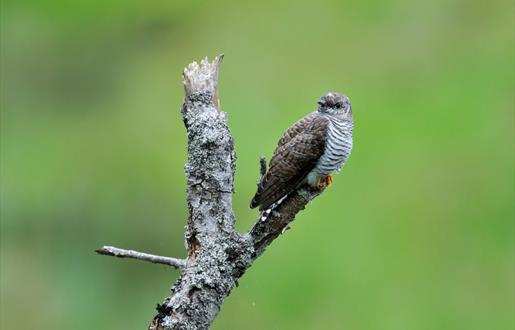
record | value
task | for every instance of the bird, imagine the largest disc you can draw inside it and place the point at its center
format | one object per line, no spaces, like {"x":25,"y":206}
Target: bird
{"x":309,"y":152}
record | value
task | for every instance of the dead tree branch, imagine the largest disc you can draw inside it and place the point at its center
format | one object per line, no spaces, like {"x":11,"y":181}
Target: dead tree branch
{"x":217,"y":255}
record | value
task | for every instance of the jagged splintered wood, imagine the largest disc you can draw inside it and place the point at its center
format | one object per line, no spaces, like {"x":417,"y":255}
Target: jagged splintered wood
{"x":217,"y":255}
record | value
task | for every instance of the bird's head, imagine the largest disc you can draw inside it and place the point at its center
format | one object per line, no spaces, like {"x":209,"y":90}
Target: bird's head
{"x":335,"y":104}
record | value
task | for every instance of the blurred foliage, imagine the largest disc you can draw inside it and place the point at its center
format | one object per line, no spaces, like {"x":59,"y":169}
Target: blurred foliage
{"x":416,"y":233}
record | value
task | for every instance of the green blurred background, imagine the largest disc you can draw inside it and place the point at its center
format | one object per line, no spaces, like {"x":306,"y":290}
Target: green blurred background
{"x":417,"y":232}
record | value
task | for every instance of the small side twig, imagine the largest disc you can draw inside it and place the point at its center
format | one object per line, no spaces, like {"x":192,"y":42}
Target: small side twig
{"x":122,"y":253}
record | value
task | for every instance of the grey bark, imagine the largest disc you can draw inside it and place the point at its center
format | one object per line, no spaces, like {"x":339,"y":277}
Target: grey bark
{"x":217,"y":255}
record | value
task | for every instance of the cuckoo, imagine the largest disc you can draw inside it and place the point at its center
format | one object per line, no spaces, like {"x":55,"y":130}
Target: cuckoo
{"x":309,"y":152}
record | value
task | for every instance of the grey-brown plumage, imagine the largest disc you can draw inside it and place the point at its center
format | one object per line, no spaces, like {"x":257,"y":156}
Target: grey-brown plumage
{"x":309,"y":151}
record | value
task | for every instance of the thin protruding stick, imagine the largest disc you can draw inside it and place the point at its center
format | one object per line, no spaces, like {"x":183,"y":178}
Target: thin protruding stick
{"x":122,"y":253}
{"x":262,"y":164}
{"x":262,"y":169}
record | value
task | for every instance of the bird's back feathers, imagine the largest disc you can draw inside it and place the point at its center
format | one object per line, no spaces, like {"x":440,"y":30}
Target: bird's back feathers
{"x":295,"y":156}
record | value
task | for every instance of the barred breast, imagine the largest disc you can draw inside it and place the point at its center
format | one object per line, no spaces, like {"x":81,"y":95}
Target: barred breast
{"x":337,"y":149}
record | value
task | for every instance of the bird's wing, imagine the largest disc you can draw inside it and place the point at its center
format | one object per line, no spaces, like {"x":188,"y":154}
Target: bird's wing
{"x":295,"y":156}
{"x":298,"y":127}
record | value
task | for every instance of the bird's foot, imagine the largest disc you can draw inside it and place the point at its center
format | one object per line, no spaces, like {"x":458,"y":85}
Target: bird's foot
{"x":324,"y":182}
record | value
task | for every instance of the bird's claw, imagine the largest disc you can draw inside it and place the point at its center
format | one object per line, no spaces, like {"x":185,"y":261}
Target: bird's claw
{"x":324,"y":182}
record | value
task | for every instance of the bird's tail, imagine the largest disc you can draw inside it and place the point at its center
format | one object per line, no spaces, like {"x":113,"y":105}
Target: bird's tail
{"x":265,"y":213}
